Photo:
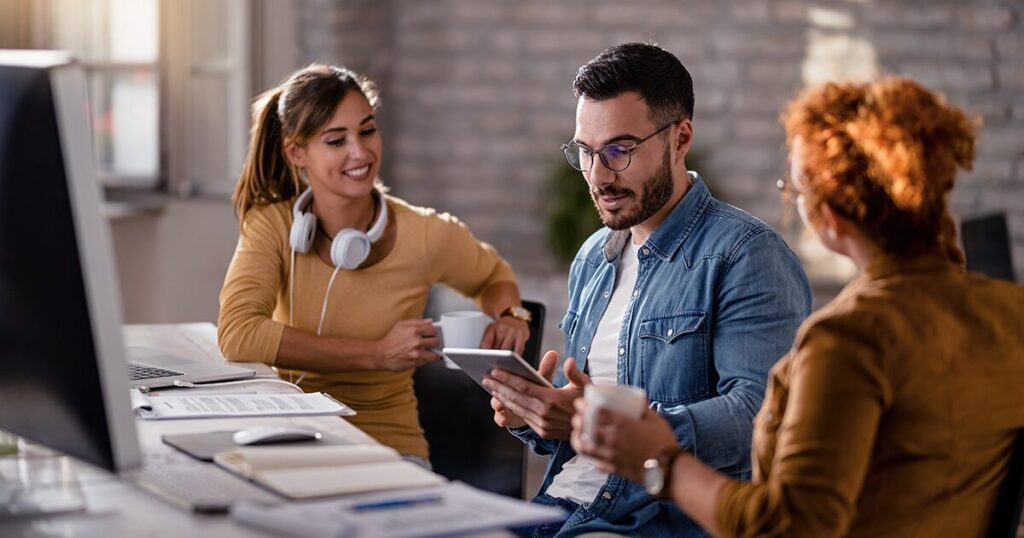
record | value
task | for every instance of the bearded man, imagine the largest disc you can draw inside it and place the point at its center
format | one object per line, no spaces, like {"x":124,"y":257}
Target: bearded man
{"x":680,"y":294}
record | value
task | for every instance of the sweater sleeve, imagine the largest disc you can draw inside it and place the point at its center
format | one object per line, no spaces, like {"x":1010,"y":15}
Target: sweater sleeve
{"x":838,"y":391}
{"x":245,"y":328}
{"x":461,"y":261}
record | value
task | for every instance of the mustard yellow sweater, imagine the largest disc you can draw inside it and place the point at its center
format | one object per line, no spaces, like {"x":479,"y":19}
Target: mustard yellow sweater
{"x":364,"y":304}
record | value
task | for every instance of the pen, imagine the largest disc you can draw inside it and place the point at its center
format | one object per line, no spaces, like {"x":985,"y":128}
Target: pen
{"x":388,"y":504}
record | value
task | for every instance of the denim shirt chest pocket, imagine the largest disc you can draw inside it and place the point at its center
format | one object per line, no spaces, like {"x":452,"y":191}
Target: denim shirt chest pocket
{"x":674,"y":357}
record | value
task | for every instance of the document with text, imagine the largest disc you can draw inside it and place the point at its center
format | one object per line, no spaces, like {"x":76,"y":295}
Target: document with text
{"x":185,"y":405}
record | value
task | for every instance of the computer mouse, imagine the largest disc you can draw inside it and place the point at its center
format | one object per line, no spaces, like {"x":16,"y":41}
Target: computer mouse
{"x":265,"y":435}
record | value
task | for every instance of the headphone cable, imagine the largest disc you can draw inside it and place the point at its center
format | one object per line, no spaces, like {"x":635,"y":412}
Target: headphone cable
{"x":327,"y":295}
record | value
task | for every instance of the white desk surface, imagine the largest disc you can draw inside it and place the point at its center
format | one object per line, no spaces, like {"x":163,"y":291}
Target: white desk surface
{"x":118,"y":509}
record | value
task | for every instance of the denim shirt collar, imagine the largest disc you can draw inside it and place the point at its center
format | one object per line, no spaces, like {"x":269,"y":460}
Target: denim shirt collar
{"x":673,"y":231}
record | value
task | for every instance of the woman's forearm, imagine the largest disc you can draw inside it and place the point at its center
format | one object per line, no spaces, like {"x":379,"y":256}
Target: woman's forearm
{"x":300,"y":350}
{"x":695,"y":487}
{"x":499,"y":296}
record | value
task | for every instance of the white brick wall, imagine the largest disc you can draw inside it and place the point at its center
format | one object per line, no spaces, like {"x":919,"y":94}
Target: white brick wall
{"x":477,"y":92}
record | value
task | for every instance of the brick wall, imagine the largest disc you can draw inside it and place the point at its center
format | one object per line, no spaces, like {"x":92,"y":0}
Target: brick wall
{"x":477,"y":92}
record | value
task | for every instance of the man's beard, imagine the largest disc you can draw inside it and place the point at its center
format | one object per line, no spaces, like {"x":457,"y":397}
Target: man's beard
{"x":657,"y":191}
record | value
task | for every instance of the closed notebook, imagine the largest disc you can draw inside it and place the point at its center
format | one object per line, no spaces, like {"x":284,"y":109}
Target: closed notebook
{"x":304,"y":472}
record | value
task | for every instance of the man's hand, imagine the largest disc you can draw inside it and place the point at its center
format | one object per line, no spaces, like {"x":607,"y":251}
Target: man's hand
{"x":546,"y":410}
{"x":506,"y":332}
{"x":507,"y":419}
{"x":408,"y":345}
{"x":619,"y":444}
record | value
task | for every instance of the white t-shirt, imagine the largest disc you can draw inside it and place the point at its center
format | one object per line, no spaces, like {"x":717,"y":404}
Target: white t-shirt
{"x":579,"y":480}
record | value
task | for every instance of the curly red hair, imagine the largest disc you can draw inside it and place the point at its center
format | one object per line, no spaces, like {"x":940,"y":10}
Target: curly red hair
{"x":883,"y":154}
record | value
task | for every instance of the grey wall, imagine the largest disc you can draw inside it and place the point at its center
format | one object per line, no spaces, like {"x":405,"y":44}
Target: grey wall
{"x":477,"y":99}
{"x":477,"y":92}
{"x":171,"y":263}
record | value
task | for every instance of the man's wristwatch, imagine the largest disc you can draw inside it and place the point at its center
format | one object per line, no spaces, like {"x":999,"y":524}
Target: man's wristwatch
{"x":517,"y":312}
{"x":658,"y":472}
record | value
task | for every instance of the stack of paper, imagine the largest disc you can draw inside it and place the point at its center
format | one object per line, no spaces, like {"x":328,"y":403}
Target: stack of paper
{"x":192,"y":405}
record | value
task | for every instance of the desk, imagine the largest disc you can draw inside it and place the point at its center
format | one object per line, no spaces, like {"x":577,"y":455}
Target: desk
{"x":116,"y":508}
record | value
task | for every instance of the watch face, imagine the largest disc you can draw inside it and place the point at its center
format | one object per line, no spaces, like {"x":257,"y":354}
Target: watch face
{"x":654,"y":477}
{"x":519,"y":313}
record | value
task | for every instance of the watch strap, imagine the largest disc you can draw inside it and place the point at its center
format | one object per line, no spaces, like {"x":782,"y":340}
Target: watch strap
{"x":517,"y":312}
{"x":665,"y":460}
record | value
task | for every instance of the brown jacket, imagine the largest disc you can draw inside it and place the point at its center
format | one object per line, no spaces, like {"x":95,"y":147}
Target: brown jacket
{"x":894,"y":413}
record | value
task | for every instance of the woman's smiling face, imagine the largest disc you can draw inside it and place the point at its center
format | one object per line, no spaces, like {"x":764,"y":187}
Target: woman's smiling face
{"x":343,"y":159}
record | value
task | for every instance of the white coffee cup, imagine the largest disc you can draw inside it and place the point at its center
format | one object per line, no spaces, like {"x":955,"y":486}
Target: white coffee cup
{"x":461,"y":328}
{"x":624,"y":399}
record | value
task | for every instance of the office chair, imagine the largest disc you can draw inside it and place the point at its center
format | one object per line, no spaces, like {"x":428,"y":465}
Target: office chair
{"x":458,"y":422}
{"x":986,"y":243}
{"x":1007,"y":516}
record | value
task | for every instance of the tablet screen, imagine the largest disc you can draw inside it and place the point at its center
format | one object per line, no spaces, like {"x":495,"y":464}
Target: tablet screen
{"x":478,"y":363}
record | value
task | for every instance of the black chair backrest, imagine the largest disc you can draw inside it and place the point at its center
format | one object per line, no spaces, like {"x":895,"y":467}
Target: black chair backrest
{"x":986,"y":242}
{"x":1007,"y":516}
{"x":458,"y":422}
{"x":533,"y":345}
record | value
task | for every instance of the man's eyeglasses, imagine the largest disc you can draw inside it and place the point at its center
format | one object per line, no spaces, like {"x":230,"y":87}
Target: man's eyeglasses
{"x":615,"y":157}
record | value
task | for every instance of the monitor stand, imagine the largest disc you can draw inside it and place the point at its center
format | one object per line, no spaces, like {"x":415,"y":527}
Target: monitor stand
{"x":37,"y":482}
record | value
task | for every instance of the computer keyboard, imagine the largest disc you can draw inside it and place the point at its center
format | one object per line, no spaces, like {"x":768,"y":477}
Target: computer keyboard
{"x":197,"y":486}
{"x":138,"y":371}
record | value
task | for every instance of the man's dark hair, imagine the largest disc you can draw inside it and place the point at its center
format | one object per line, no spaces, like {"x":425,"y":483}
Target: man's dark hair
{"x":651,"y":71}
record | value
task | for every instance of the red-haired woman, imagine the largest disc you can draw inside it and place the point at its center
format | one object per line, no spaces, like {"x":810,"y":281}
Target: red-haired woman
{"x":896,"y":409}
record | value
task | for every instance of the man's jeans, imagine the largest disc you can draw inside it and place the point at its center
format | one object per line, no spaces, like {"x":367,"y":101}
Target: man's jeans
{"x":547,"y":529}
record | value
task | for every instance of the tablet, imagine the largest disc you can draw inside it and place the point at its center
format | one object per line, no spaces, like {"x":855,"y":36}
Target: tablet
{"x":478,"y":363}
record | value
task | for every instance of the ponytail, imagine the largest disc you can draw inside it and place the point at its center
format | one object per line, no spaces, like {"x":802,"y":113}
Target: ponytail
{"x":267,"y":175}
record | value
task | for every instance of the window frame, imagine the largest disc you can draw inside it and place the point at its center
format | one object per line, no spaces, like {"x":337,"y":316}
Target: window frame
{"x":176,"y":71}
{"x":42,"y":31}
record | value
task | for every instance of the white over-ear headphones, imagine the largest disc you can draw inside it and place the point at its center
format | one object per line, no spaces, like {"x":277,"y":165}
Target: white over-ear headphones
{"x":350,"y":246}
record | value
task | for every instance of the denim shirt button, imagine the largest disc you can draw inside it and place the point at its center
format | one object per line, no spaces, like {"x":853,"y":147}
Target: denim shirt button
{"x":606,"y":496}
{"x":645,"y":251}
{"x":583,"y":349}
{"x":622,"y":351}
{"x":606,"y":294}
{"x":669,"y":333}
{"x":636,"y":292}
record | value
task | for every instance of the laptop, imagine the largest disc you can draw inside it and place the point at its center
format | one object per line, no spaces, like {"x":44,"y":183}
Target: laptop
{"x":153,"y":368}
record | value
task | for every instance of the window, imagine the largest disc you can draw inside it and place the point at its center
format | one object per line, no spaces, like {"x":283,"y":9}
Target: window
{"x":169,"y":85}
{"x":117,"y":44}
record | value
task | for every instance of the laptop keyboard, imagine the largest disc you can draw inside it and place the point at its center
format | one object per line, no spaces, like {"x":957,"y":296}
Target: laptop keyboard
{"x":138,"y":371}
{"x":197,"y":486}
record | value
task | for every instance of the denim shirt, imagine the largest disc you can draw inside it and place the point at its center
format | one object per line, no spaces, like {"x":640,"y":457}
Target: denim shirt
{"x":717,"y":301}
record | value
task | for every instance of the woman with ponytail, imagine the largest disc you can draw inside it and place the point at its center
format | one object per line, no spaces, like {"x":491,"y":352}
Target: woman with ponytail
{"x":331,"y":274}
{"x":895,"y":412}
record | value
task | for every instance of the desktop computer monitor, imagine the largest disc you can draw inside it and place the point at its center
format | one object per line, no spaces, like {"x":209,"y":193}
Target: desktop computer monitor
{"x":63,"y":380}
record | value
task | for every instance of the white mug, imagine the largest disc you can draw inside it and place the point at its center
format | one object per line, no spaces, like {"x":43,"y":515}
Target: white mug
{"x":461,"y":328}
{"x":624,"y":399}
